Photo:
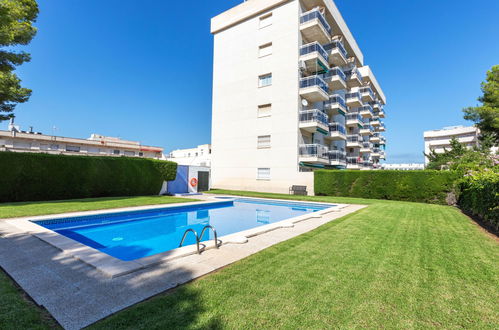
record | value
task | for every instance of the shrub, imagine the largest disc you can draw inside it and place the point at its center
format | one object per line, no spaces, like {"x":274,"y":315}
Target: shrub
{"x":35,"y":177}
{"x":479,"y":195}
{"x":414,"y":186}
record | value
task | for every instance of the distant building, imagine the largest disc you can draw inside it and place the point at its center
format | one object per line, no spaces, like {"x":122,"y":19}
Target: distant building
{"x":16,"y":140}
{"x":439,"y":140}
{"x":403,"y":167}
{"x":199,"y":156}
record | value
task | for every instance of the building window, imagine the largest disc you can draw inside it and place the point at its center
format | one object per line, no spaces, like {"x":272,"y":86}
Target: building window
{"x":264,"y":110}
{"x":73,"y":149}
{"x":265,"y":50}
{"x":54,"y":147}
{"x":263,"y":141}
{"x":130,"y":153}
{"x":141,"y":154}
{"x":116,"y":152}
{"x":265,"y":20}
{"x":263,"y":174}
{"x":265,"y":80}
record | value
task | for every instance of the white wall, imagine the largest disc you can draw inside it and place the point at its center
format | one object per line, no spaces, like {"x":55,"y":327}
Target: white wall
{"x":236,"y":96}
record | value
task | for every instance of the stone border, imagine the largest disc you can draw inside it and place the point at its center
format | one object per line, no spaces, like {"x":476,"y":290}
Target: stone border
{"x":114,"y":267}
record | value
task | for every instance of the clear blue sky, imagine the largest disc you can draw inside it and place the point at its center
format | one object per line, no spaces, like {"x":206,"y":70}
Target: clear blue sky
{"x":142,"y":70}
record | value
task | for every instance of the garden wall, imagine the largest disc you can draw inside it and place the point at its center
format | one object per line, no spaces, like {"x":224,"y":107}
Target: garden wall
{"x":415,"y":186}
{"x":36,"y":177}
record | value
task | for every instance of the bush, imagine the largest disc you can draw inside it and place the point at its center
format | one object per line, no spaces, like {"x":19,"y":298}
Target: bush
{"x":35,"y":177}
{"x":415,"y":186}
{"x":480,"y":195}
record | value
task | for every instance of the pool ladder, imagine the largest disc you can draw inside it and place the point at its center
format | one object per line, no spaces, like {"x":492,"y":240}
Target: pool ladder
{"x":199,"y":238}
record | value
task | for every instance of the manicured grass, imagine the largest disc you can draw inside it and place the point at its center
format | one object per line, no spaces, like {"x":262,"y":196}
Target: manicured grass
{"x":12,"y":210}
{"x":392,"y":265}
{"x":17,"y":311}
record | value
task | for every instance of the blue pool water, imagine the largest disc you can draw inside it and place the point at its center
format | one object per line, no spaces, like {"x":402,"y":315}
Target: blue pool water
{"x":133,"y":235}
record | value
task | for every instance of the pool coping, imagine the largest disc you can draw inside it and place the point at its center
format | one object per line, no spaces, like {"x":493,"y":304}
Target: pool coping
{"x":114,"y":267}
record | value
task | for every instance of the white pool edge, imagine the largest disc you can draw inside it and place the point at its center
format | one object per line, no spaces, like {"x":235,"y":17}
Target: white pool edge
{"x":114,"y":267}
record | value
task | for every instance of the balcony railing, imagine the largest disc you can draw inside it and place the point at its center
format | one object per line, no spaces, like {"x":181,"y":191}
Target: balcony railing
{"x":316,"y":116}
{"x":368,"y":127}
{"x":333,"y":128}
{"x":367,"y":90}
{"x":336,"y":99}
{"x":367,"y":145}
{"x":354,"y":72}
{"x":314,"y":81}
{"x":354,"y":138}
{"x":335,"y":72}
{"x":353,"y":160}
{"x":352,"y":95}
{"x":313,"y":47}
{"x":337,"y":156}
{"x":354,"y":116}
{"x":313,"y":150}
{"x":336,"y":44}
{"x":366,"y":108}
{"x":315,"y":14}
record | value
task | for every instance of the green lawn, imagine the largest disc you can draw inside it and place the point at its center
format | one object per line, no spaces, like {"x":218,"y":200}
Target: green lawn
{"x":12,"y":210}
{"x":392,"y":265}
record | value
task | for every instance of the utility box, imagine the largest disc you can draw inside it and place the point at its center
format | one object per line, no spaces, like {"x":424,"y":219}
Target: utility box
{"x":190,"y":179}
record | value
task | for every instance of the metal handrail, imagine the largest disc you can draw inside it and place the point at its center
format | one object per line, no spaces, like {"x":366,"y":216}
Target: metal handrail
{"x":195,"y":234}
{"x":214,"y":232}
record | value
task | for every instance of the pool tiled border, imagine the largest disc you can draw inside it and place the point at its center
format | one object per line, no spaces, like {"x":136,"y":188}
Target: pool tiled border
{"x":114,"y":267}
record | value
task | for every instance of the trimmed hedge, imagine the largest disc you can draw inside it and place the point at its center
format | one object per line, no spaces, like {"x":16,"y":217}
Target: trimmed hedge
{"x":414,"y":186}
{"x":37,"y":177}
{"x":479,"y":196}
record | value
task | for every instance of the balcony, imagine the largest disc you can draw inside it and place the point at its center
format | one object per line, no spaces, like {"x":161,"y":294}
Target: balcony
{"x":354,"y":119}
{"x":354,"y":141}
{"x":376,"y":153}
{"x":314,"y":57}
{"x":376,"y":138}
{"x":381,"y":127}
{"x":314,"y":121}
{"x":314,"y":27}
{"x":367,"y":94}
{"x":314,"y":89}
{"x":354,"y":78}
{"x":366,"y":147}
{"x":337,"y":158}
{"x":383,"y":140}
{"x":366,"y":111}
{"x":366,"y":130}
{"x":353,"y":163}
{"x":338,"y":55}
{"x":366,"y":165}
{"x":375,"y":121}
{"x":354,"y":100}
{"x":336,"y":105}
{"x":381,"y":113}
{"x":337,"y":132}
{"x":335,"y":79}
{"x":314,"y":153}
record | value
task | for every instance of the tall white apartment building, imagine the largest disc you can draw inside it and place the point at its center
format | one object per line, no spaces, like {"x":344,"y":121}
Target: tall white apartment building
{"x":291,"y":94}
{"x":439,"y":140}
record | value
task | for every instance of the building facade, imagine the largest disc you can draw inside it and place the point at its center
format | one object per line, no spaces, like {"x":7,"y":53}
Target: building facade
{"x":439,"y":140}
{"x":199,"y":156}
{"x":291,"y":94}
{"x":16,"y":140}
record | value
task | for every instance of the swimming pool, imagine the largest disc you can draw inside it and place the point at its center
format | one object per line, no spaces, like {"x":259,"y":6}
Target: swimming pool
{"x":133,"y":235}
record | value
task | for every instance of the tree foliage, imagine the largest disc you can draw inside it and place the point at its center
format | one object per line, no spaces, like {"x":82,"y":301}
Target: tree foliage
{"x":16,"y":29}
{"x":486,"y":116}
{"x":460,"y":158}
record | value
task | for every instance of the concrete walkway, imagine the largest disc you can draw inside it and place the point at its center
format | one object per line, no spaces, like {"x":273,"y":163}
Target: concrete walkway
{"x":78,"y":295}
